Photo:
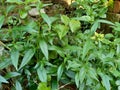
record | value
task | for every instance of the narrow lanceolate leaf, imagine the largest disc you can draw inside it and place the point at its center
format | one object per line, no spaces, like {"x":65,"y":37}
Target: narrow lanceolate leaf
{"x":60,"y":71}
{"x":3,"y":80}
{"x":105,"y":81}
{"x":15,"y":1}
{"x":46,"y":19}
{"x":74,"y":25}
{"x":27,"y":57}
{"x":18,"y":86}
{"x":15,"y":58}
{"x":88,"y":45}
{"x":44,"y":48}
{"x":106,"y":22}
{"x":11,"y":74}
{"x":77,"y":80}
{"x":42,"y":74}
{"x":95,"y":26}
{"x":2,"y":18}
{"x":82,"y":74}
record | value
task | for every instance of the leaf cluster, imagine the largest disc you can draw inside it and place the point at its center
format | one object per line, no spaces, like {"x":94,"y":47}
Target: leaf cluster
{"x":45,"y":52}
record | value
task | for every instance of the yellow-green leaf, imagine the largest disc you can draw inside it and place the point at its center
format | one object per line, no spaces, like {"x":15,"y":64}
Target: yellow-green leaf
{"x":74,"y":25}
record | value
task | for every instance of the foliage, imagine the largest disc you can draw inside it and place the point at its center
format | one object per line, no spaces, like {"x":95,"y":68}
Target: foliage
{"x":47,"y":51}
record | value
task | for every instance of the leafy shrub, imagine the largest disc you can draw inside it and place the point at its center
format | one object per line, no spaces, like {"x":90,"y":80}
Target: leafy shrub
{"x":45,"y":52}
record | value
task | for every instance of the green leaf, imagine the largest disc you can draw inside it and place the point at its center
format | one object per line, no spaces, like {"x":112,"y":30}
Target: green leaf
{"x":106,"y":41}
{"x":117,"y":82}
{"x":18,"y":86}
{"x":15,"y":1}
{"x":95,"y":26}
{"x":43,"y":86}
{"x":84,"y":18}
{"x":15,"y":58}
{"x":11,"y":74}
{"x":77,"y":80}
{"x":5,"y":63}
{"x":30,"y":1}
{"x":65,"y":19}
{"x":27,"y":57}
{"x":109,"y":36}
{"x":54,"y":84}
{"x":92,"y":73}
{"x":88,"y":45}
{"x":118,"y":49}
{"x":9,"y":9}
{"x":82,"y":74}
{"x":42,"y":74}
{"x":61,"y":30}
{"x":2,"y":18}
{"x":59,"y":50}
{"x":116,"y":41}
{"x":106,"y":22}
{"x":74,"y":25}
{"x":3,"y":80}
{"x":105,"y":81}
{"x":23,"y":14}
{"x":115,"y":72}
{"x":118,"y":87}
{"x":46,"y":19}
{"x":60,"y":72}
{"x":44,"y":48}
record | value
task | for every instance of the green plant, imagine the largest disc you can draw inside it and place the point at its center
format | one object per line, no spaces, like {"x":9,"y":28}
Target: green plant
{"x":50,"y":52}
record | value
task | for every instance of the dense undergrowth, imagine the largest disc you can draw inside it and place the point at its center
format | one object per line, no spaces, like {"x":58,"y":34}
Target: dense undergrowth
{"x":50,"y":51}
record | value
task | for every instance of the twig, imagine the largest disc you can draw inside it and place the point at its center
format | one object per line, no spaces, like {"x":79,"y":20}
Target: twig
{"x":1,"y":43}
{"x":64,"y":86}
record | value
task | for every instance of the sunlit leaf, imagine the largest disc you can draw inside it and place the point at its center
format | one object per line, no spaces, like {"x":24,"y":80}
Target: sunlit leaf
{"x":42,"y":74}
{"x":84,"y":18}
{"x":105,"y":81}
{"x":65,"y":19}
{"x":118,"y":87}
{"x":3,"y":80}
{"x":43,"y":86}
{"x":18,"y":86}
{"x":15,"y":1}
{"x":23,"y":14}
{"x":61,"y":30}
{"x":74,"y":25}
{"x":117,"y":82}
